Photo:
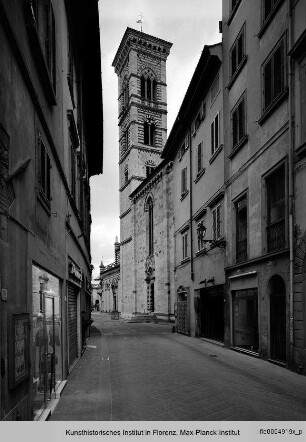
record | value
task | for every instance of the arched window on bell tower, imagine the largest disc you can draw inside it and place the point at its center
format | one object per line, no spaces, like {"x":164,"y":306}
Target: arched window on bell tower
{"x":149,"y":133}
{"x":148,"y":87}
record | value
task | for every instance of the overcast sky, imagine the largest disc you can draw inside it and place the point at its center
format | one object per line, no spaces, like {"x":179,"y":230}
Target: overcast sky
{"x":189,"y":25}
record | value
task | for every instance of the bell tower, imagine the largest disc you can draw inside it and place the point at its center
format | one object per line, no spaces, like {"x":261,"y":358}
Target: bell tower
{"x":140,"y":64}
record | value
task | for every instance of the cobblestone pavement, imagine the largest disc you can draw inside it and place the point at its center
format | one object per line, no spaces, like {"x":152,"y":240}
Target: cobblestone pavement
{"x":144,"y":372}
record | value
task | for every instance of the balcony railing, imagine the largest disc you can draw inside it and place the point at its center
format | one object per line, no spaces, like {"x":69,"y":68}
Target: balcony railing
{"x":276,"y":237}
{"x":241,"y":250}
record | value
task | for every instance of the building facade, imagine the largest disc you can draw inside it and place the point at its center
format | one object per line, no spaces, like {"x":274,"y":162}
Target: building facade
{"x":51,"y":143}
{"x":195,"y":145}
{"x":109,"y":280}
{"x":263,"y":315}
{"x":140,"y":64}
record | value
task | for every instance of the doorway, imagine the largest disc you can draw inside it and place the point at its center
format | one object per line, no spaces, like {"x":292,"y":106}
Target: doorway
{"x":277,"y":319}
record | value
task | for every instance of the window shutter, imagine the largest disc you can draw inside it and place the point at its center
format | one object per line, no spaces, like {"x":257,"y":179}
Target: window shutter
{"x":193,"y":128}
{"x":217,"y":131}
{"x":212,"y":132}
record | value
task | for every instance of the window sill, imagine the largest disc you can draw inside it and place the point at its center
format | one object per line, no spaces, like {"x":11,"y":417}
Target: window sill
{"x":238,"y":146}
{"x":39,"y":57}
{"x":233,"y":12}
{"x":201,"y":252}
{"x":269,"y":19}
{"x":272,"y":107}
{"x":184,"y":261}
{"x":237,"y":72}
{"x":212,"y":159}
{"x":184,"y":195}
{"x":199,"y":175}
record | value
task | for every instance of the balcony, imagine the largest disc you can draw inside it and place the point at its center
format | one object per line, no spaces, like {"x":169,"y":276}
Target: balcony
{"x":276,"y":237}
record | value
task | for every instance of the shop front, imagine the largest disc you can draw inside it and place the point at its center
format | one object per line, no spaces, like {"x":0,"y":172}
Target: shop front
{"x":211,"y":313}
{"x":73,"y":312}
{"x":47,"y":343}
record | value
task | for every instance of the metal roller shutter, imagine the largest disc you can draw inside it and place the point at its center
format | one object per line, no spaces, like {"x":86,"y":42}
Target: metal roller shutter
{"x":72,"y":323}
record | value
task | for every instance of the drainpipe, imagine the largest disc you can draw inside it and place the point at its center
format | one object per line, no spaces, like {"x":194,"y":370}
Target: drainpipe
{"x":291,"y":188}
{"x":190,"y":212}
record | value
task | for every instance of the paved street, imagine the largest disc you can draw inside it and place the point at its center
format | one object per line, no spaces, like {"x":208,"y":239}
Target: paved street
{"x":144,"y":372}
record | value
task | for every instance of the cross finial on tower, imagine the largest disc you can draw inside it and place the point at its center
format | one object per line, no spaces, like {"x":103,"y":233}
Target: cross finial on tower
{"x":140,"y":20}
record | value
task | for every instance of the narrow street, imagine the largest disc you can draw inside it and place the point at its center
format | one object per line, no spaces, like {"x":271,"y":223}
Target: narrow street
{"x":144,"y":372}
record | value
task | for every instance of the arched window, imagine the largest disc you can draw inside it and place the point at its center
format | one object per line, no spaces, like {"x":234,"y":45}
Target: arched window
{"x":150,"y":226}
{"x":148,"y":87}
{"x":149,"y":133}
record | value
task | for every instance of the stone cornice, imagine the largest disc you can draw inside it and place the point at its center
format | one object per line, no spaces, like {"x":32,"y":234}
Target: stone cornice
{"x":147,"y":185}
{"x":137,"y":40}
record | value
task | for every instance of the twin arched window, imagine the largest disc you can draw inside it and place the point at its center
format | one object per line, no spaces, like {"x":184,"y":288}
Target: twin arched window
{"x":148,"y":88}
{"x":149,"y":133}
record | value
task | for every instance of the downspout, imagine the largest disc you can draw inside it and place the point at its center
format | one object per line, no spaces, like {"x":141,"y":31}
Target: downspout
{"x":291,"y":190}
{"x":190,"y":212}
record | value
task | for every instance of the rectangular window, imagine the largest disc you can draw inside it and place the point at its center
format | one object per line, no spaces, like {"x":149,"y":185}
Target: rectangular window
{"x":241,"y":229}
{"x":235,"y":3}
{"x":149,"y":170}
{"x":200,"y":235}
{"x":237,"y":52}
{"x":276,"y":210}
{"x":238,"y":121}
{"x":216,"y":222}
{"x":214,"y":134}
{"x":268,"y":8}
{"x":200,"y":157}
{"x":44,"y":166}
{"x":184,"y":181}
{"x":215,"y":89}
{"x":197,"y":122}
{"x":274,"y":71}
{"x":185,"y":245}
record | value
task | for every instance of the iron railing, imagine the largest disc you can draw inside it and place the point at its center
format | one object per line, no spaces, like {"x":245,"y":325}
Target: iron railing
{"x":276,"y":237}
{"x":241,"y":250}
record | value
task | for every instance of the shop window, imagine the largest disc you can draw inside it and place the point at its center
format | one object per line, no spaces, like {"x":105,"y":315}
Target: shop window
{"x":46,"y":344}
{"x":238,"y":117}
{"x":245,"y":319}
{"x":276,"y":210}
{"x":216,"y":222}
{"x":44,"y":167}
{"x":241,"y":229}
{"x":149,"y":133}
{"x":237,"y":52}
{"x":214,"y":130}
{"x":274,"y":73}
{"x":185,"y":245}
